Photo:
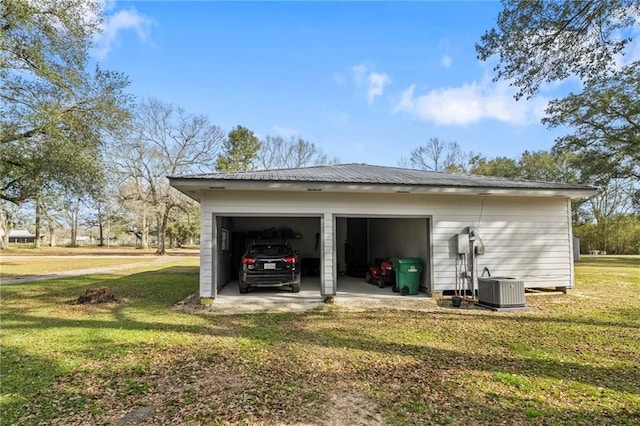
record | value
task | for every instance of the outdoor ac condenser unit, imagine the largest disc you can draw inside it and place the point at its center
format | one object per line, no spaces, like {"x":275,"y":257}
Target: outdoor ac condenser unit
{"x":501,"y":293}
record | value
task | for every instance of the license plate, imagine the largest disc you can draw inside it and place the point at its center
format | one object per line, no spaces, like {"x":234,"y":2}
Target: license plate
{"x":269,"y":266}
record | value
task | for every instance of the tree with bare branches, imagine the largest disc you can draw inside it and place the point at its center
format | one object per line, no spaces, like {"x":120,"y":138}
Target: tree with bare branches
{"x":277,"y":152}
{"x":166,"y":141}
{"x":437,"y":156}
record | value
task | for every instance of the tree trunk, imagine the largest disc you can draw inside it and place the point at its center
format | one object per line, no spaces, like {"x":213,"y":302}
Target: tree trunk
{"x":100,"y":230}
{"x":4,"y":241}
{"x":74,"y":223}
{"x":38,"y":222}
{"x":162,"y":230}
{"x":108,"y":231}
{"x":52,"y":236}
{"x":144,"y":232}
{"x":52,"y":232}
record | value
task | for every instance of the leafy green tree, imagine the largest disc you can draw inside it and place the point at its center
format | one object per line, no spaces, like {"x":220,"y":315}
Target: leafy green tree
{"x":498,"y":167}
{"x":539,"y":41}
{"x":54,"y":115}
{"x":606,"y":119}
{"x":184,"y":225}
{"x":239,"y":151}
{"x":619,"y":234}
{"x":549,"y":166}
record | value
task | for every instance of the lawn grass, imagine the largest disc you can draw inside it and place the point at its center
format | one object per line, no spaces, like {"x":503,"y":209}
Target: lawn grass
{"x":18,"y":266}
{"x":25,"y":261}
{"x":571,"y":359}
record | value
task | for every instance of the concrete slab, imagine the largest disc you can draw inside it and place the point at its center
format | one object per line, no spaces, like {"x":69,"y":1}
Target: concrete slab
{"x":280,"y":299}
{"x":353,"y":293}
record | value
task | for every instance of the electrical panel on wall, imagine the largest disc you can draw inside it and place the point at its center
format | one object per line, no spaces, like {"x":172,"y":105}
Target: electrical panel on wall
{"x":463,"y":243}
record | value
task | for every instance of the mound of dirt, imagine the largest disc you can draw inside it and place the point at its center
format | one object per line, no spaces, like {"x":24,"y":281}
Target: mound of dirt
{"x":350,"y":409}
{"x":96,"y":295}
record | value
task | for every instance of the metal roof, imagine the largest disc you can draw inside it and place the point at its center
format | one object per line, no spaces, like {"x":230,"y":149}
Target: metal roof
{"x":18,"y":233}
{"x":364,"y":174}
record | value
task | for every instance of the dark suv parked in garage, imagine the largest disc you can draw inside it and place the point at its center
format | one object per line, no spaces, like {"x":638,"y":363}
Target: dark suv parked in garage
{"x":269,"y":264}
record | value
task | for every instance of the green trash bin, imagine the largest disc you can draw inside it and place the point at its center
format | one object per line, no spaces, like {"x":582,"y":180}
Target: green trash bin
{"x":408,"y":270}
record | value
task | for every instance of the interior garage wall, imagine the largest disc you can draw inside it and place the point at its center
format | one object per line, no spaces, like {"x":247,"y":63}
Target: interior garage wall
{"x":305,"y":227}
{"x":223,"y":262}
{"x":398,"y":237}
{"x":341,"y":239}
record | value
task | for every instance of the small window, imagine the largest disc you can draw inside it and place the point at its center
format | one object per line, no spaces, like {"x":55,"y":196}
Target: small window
{"x":224,"y":239}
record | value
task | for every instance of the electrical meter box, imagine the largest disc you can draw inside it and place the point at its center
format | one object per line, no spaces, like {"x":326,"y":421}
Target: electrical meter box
{"x":463,"y":243}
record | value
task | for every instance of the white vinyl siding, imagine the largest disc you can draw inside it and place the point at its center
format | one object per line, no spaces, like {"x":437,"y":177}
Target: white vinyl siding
{"x":328,"y":268}
{"x":206,"y":253}
{"x":524,"y":237}
{"x":528,"y":238}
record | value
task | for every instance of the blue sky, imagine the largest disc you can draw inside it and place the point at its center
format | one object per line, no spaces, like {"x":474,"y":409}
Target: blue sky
{"x":366,"y":82}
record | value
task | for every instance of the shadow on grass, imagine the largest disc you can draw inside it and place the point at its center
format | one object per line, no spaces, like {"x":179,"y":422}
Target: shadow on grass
{"x":153,"y":293}
{"x":23,"y":377}
{"x":267,"y":330}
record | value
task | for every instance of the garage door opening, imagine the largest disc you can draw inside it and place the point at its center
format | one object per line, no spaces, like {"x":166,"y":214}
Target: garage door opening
{"x":236,"y":233}
{"x":364,"y":241}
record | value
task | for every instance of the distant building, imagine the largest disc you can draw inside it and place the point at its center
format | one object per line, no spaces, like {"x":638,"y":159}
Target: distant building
{"x":20,"y":236}
{"x":84,"y":239}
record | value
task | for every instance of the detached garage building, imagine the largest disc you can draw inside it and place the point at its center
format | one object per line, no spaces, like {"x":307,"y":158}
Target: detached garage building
{"x":342,"y":217}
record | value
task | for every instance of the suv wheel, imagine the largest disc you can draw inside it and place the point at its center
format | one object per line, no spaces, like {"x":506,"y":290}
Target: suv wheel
{"x":295,"y":287}
{"x":243,"y":287}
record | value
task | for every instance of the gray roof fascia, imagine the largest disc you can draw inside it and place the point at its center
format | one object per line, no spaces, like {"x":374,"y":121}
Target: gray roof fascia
{"x":188,"y":185}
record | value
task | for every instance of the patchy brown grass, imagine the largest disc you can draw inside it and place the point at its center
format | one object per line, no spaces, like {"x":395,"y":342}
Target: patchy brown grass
{"x":569,"y":360}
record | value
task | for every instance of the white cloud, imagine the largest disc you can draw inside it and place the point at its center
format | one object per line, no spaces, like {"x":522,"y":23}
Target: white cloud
{"x":359,"y":72}
{"x":471,"y":103}
{"x":114,"y":24}
{"x":286,"y":132}
{"x":446,"y":61}
{"x":375,"y":85}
